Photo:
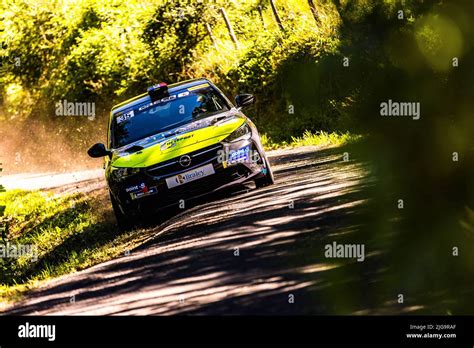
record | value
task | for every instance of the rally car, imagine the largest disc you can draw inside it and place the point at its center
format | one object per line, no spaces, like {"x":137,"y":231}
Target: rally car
{"x":179,"y":142}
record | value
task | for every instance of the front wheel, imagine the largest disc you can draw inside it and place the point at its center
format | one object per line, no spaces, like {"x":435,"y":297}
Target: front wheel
{"x":268,"y":178}
{"x":123,"y":222}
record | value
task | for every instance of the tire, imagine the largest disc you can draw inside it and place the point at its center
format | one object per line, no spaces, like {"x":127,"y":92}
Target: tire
{"x":266,"y":180}
{"x":123,"y":221}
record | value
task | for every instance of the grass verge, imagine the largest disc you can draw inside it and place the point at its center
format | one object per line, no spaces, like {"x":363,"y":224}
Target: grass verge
{"x":321,"y":139}
{"x":51,"y":235}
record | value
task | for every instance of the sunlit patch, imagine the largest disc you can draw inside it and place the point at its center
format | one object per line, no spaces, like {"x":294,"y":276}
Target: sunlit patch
{"x":439,"y":40}
{"x":317,"y":268}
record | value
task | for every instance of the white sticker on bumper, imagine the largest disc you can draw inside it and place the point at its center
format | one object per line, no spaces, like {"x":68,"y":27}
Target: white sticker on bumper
{"x":189,"y":176}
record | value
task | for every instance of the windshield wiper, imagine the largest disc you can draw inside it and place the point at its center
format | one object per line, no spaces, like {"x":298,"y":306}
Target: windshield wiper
{"x":218,"y":118}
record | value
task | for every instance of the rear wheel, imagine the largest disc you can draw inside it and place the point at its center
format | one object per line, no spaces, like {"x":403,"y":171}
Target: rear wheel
{"x":267,"y":179}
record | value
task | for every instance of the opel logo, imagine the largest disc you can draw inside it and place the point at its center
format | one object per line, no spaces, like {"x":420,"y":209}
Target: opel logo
{"x":185,"y":161}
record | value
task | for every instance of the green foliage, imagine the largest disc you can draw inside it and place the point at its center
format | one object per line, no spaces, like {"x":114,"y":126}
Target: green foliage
{"x":173,"y":33}
{"x":324,"y":139}
{"x":108,"y":51}
{"x":319,"y":139}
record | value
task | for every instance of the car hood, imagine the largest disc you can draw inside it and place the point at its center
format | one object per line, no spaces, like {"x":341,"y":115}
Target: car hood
{"x":176,"y":142}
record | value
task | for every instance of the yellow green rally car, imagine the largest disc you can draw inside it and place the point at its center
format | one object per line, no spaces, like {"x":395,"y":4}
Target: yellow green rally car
{"x":176,"y":143}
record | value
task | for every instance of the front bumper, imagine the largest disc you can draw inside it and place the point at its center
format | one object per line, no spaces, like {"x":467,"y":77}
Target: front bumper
{"x":148,"y":189}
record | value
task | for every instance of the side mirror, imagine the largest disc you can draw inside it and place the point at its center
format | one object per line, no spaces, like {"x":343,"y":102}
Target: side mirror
{"x":98,"y":150}
{"x":243,"y":100}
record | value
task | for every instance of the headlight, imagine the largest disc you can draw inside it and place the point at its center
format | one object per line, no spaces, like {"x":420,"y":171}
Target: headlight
{"x":242,"y":133}
{"x":119,"y":174}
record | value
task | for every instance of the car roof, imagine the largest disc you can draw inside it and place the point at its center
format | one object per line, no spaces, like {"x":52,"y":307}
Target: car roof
{"x":139,"y":99}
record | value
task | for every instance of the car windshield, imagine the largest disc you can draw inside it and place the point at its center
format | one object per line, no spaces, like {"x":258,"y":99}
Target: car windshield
{"x":175,"y":110}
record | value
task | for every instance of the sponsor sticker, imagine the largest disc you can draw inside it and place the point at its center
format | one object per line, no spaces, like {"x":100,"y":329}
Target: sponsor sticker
{"x":173,"y":142}
{"x":163,"y":100}
{"x":237,"y":156}
{"x":240,"y":155}
{"x":135,"y":188}
{"x":147,"y":192}
{"x":190,"y":175}
{"x":126,"y":116}
{"x":140,"y":190}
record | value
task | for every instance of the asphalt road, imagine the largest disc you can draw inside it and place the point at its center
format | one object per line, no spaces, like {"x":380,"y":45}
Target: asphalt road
{"x":254,"y":252}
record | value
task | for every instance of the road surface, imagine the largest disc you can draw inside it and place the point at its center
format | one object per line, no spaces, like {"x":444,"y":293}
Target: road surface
{"x":39,"y":181}
{"x":257,"y":252}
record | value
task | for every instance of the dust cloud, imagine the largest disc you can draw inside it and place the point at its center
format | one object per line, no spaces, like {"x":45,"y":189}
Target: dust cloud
{"x":54,"y":144}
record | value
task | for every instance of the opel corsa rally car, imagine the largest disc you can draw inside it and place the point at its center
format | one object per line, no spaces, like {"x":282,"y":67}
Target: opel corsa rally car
{"x":176,"y":143}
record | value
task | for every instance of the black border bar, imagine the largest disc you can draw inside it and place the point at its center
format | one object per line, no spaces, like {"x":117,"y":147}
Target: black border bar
{"x":242,"y":330}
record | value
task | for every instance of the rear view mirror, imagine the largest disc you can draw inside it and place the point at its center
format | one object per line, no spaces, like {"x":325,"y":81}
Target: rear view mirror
{"x":243,"y":100}
{"x":98,"y":150}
